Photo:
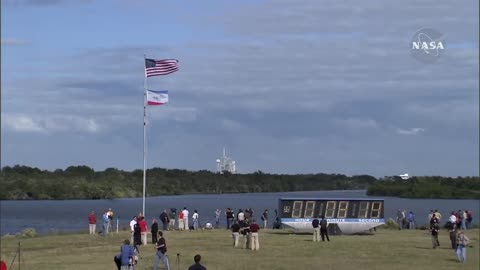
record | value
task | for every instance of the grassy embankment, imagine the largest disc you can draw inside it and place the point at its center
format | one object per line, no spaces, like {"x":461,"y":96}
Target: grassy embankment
{"x":386,"y":249}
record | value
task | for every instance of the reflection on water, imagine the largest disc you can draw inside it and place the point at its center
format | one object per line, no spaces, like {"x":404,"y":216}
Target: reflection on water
{"x":71,"y":215}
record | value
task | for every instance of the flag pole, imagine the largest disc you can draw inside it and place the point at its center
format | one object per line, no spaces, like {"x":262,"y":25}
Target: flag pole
{"x":144,"y":136}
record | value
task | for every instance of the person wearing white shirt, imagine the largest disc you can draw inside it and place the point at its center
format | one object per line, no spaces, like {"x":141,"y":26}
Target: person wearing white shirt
{"x":185,"y":218}
{"x":452,"y":219}
{"x":218,"y":212}
{"x":195,"y":220}
{"x":240,"y":216}
{"x":132,"y":227}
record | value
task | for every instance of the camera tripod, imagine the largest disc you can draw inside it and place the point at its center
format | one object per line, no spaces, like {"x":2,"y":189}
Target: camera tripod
{"x":18,"y":252}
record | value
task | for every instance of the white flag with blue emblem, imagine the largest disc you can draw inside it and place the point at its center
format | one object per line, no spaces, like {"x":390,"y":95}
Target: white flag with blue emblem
{"x":157,"y":97}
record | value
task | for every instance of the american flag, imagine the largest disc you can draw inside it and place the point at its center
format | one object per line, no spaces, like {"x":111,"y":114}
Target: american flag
{"x":160,"y":67}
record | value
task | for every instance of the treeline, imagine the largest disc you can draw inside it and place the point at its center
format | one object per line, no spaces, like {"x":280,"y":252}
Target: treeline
{"x":82,"y":182}
{"x":427,"y":187}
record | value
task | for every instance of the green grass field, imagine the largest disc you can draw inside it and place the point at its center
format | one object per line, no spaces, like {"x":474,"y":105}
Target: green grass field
{"x":386,"y":249}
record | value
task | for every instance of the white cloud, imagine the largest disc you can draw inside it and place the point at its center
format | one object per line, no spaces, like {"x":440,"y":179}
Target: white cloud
{"x":49,"y":124}
{"x":21,"y":123}
{"x":411,"y":131}
{"x":69,"y":123}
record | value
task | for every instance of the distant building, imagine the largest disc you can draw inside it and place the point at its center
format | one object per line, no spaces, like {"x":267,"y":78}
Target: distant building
{"x":226,"y":164}
{"x":404,"y":176}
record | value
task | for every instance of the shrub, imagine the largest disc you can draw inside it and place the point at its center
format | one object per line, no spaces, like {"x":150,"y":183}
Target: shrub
{"x":424,"y":227}
{"x":29,"y":233}
{"x":390,"y":224}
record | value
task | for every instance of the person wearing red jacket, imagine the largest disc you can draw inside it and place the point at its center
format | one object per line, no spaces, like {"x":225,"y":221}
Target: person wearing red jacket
{"x":92,"y":222}
{"x":143,"y":230}
{"x":180,"y":221}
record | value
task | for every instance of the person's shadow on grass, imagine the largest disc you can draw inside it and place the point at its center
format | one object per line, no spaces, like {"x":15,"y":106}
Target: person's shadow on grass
{"x":424,"y":248}
{"x":433,"y":248}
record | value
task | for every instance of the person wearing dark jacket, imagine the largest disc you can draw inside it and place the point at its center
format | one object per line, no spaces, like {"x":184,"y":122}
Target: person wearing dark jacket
{"x":452,"y":231}
{"x":230,"y":216}
{"x":197,"y":265}
{"x":264,"y":218}
{"x":172,"y":216}
{"x":235,"y":233}
{"x":316,"y":230}
{"x":154,"y":231}
{"x":245,"y":231}
{"x":137,"y":236}
{"x":434,"y":229}
{"x":165,"y":219}
{"x":161,"y":255}
{"x":324,"y":229}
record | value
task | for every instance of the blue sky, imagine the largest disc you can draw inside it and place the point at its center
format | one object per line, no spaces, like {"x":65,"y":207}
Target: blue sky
{"x":287,"y":86}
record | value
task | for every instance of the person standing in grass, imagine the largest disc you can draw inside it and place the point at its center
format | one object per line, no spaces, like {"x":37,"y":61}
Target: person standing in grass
{"x":110,"y":220}
{"x":161,"y":255}
{"x":143,"y":230}
{"x":463,"y":219}
{"x":265,"y":218}
{"x":462,"y":242}
{"x":218,"y":212}
{"x":165,"y":220}
{"x":453,"y":236}
{"x":180,"y":221}
{"x":324,"y":229}
{"x":92,"y":222}
{"x":154,"y":231}
{"x":235,"y":233}
{"x":197,"y":265}
{"x":106,"y":222}
{"x":230,"y":216}
{"x":137,"y":233}
{"x":172,"y":216}
{"x":411,"y":220}
{"x":434,"y":230}
{"x":245,"y":231}
{"x":132,"y":228}
{"x":254,"y":242}
{"x":469,"y":218}
{"x":316,"y":230}
{"x":185,"y":218}
{"x":400,"y":217}
{"x":195,"y":217}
